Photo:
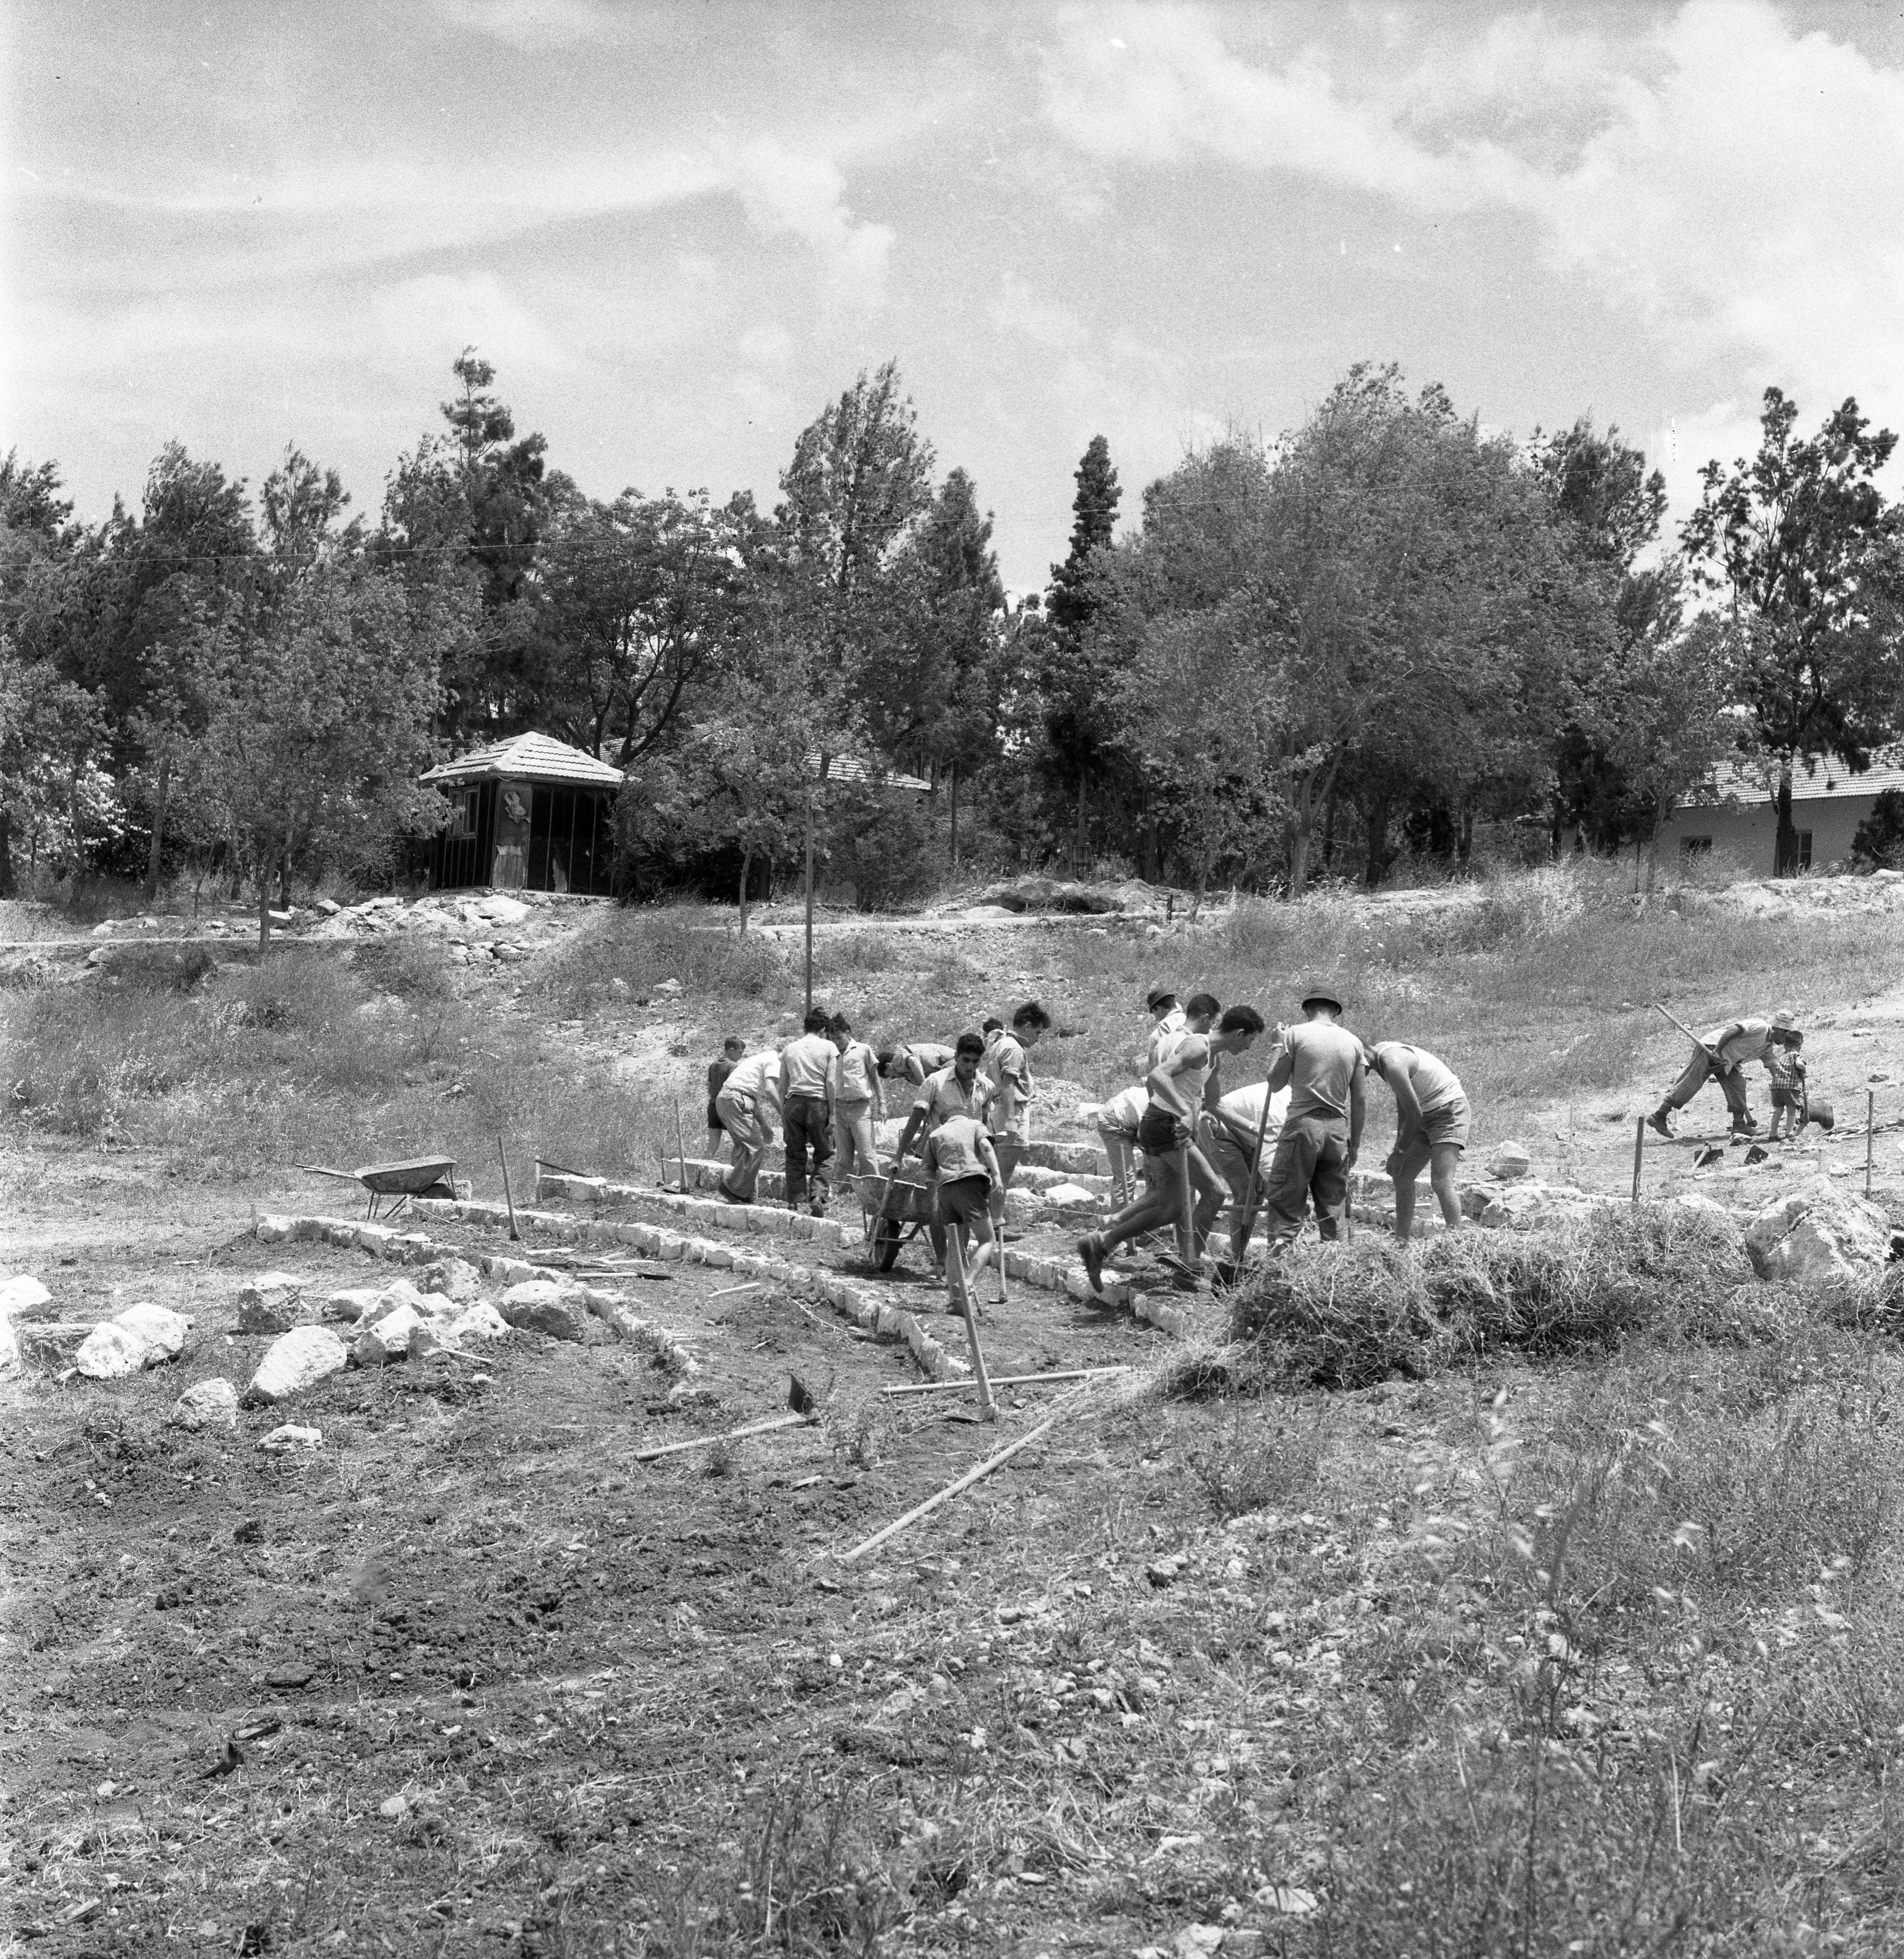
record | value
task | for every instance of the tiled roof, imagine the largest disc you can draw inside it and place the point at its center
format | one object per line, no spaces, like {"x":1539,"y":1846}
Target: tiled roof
{"x":1826,"y":778}
{"x":532,"y":758}
{"x":847,"y":769}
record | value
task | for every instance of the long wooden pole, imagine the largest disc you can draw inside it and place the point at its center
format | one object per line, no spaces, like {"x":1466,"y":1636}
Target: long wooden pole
{"x":514,"y":1234}
{"x":1870,"y":1120}
{"x":1008,"y":1380}
{"x":681,"y":1146}
{"x":962,"y":1294}
{"x":809,"y":898}
{"x":1256,"y":1178}
{"x":728,"y":1435}
{"x":977,"y":1474}
{"x":1639,"y":1153}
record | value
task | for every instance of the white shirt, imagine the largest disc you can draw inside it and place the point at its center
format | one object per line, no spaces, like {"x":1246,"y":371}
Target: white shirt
{"x":756,"y":1076}
{"x":1241,"y":1109}
{"x":808,"y":1062}
{"x":854,"y":1071}
{"x":1125,"y":1110}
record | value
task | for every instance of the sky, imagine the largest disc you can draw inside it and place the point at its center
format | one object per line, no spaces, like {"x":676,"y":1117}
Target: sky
{"x":679,"y":231}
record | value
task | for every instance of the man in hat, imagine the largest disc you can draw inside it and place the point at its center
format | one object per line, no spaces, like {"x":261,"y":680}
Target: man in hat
{"x":1322,"y":1066}
{"x":1167,"y":1024}
{"x":1724,"y":1052}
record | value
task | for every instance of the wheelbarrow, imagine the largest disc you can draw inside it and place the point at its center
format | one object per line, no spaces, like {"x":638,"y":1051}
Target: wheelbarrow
{"x":421,"y":1177}
{"x":896,"y":1208}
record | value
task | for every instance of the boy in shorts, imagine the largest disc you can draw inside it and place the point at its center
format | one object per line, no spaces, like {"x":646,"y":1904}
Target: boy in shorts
{"x":1432,"y":1123}
{"x":964,"y":1174}
{"x":1788,"y":1091}
{"x":1118,"y":1121}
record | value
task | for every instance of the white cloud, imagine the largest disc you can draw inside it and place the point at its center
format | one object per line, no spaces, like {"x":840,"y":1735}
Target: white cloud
{"x":803,"y":195}
{"x":1729,"y":183}
{"x":533,"y":24}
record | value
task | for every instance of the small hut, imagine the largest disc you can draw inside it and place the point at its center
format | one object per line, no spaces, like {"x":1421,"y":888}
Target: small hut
{"x":529,"y":813}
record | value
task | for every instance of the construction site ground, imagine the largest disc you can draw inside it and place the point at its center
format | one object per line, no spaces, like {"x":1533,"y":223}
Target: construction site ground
{"x":467,"y":1677}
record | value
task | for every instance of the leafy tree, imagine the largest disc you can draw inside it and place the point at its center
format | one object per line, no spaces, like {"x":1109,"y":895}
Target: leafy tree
{"x":858,"y":486}
{"x":1094,"y":517}
{"x":647,"y":599}
{"x":55,"y":797}
{"x":474,"y":504}
{"x":1805,"y":548}
{"x":317,"y":728}
{"x":1878,"y":838}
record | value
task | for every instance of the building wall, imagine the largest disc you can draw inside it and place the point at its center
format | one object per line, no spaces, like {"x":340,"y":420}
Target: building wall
{"x":1749,"y":832}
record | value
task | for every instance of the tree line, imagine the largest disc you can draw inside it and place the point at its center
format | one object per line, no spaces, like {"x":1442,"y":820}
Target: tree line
{"x":1300,"y":659}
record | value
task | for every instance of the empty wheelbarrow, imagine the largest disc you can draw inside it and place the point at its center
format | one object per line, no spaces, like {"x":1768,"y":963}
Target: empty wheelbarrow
{"x":420,"y":1176}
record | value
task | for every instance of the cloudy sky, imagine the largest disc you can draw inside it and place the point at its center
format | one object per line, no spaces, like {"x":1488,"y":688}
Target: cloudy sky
{"x":677,"y":230}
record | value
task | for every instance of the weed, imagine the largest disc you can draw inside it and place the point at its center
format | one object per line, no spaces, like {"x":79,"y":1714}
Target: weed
{"x":1260,"y":1461}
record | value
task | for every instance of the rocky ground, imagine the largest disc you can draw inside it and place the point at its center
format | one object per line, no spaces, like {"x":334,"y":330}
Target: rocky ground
{"x":455,"y":1671}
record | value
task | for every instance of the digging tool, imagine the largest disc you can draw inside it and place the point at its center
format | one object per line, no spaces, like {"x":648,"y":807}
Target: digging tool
{"x":680,"y":1147}
{"x":1757,"y":1154}
{"x":1705,"y":1048}
{"x":977,"y":1474}
{"x":803,"y":1411}
{"x":514,"y":1235}
{"x":1705,"y":1158}
{"x":542,"y":1162}
{"x":1639,"y":1153}
{"x":962,"y":1292}
{"x":1231,"y":1270}
{"x":1009,"y":1380}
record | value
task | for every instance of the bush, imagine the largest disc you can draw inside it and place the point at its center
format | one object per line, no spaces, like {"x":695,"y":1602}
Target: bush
{"x":712,"y":961}
{"x":1344,"y":1315}
{"x":1878,"y":842}
{"x":411,"y":970}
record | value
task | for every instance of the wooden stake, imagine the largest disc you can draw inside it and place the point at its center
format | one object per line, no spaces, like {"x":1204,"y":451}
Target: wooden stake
{"x":962,"y":1293}
{"x":1255,"y":1179}
{"x":1870,"y":1118}
{"x":1008,"y":1380}
{"x":977,"y":1474}
{"x":680,"y":1146}
{"x":727,"y":1292}
{"x":1639,"y":1153}
{"x":731,"y":1435}
{"x":1187,"y":1224}
{"x":515,"y":1236}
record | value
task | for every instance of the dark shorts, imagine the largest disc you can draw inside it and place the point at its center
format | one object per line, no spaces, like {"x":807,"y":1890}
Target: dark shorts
{"x":1783,"y":1097}
{"x":1160,"y":1133}
{"x":965,"y":1201}
{"x":714,"y":1116}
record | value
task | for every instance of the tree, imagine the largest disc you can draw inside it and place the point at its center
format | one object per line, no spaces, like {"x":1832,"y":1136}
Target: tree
{"x":319,"y":708}
{"x":647,"y":599}
{"x":1806,"y":551}
{"x":858,"y":485}
{"x":56,"y":796}
{"x":473,"y":505}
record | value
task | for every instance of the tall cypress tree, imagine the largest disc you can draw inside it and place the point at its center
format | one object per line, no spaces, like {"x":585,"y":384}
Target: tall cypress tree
{"x":1093,"y":516}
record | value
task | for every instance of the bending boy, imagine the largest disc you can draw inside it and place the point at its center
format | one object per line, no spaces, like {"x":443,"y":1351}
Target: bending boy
{"x":1432,"y":1118}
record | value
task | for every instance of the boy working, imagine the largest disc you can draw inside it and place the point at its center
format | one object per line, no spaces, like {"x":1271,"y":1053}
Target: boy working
{"x":748,"y":1103}
{"x":1012,"y":1073}
{"x":1166,"y":1136}
{"x":806,"y":1087}
{"x":1322,"y":1066}
{"x":1234,"y":1154}
{"x":1118,"y":1121}
{"x":1166,"y":1022}
{"x":859,"y":1101}
{"x":964,"y":1174}
{"x":912,"y":1061}
{"x":1431,"y":1129}
{"x":732,"y":1048}
{"x":959,"y":1090}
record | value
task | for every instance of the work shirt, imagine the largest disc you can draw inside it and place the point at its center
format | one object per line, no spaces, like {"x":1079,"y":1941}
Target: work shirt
{"x":1752,"y":1042}
{"x":1326,"y":1057}
{"x":941,"y":1098}
{"x":1125,"y":1110}
{"x":757,"y":1077}
{"x":954,"y":1150}
{"x":929,"y":1056}
{"x":1012,"y":1072}
{"x":854,"y":1073}
{"x":1191,"y":1082}
{"x":808,"y":1064}
{"x":1164,"y":1037}
{"x":1435,"y":1084}
{"x":1240,"y":1111}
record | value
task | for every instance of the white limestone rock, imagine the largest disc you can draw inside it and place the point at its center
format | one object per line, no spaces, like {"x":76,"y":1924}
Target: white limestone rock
{"x":542,"y":1305}
{"x":1508,"y":1163}
{"x":480,"y":1321}
{"x":386,"y":1339}
{"x":297,"y":1361}
{"x":163,"y":1330}
{"x":111,"y":1353}
{"x":1818,"y":1235}
{"x":268,"y":1303}
{"x":212,"y":1404}
{"x":288,"y":1438}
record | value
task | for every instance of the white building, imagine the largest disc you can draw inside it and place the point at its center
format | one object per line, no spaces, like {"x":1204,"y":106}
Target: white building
{"x":1737,"y":816}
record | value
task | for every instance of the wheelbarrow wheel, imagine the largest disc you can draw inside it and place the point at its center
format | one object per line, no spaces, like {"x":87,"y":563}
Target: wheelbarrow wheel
{"x":887,"y":1238}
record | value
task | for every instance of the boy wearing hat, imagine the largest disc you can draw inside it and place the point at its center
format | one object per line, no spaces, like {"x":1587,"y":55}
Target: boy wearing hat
{"x":1167,"y":1022}
{"x":1322,"y":1066}
{"x":1724,"y":1052}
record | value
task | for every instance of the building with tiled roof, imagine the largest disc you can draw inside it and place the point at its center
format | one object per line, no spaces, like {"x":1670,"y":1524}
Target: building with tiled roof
{"x":527,"y":814}
{"x":1736,"y":815}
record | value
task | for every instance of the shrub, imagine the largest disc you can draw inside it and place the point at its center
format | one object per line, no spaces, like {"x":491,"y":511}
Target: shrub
{"x":712,"y":962}
{"x":1344,"y":1315}
{"x":1267,"y":1457}
{"x":410,"y":969}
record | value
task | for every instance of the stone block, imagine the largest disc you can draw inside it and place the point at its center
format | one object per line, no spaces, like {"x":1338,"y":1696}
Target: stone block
{"x":22,"y":1293}
{"x":163,"y":1330}
{"x":456,"y":1277}
{"x":288,"y":1439}
{"x":297,"y":1361}
{"x":386,"y":1339}
{"x":545,"y":1306}
{"x":1819,"y":1233}
{"x":268,"y":1303}
{"x":111,"y":1352}
{"x":212,"y":1404}
{"x":477,"y":1321}
{"x":272,"y":1231}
